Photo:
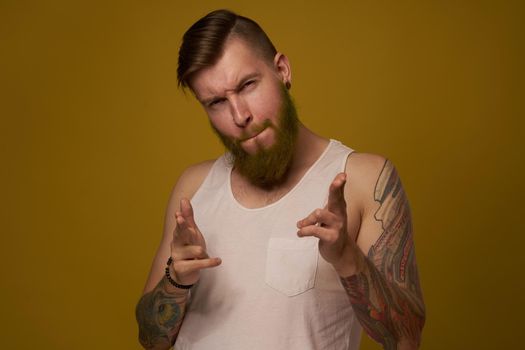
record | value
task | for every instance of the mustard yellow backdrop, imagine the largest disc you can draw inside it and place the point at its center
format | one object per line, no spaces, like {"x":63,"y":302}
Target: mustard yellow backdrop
{"x":94,"y":134}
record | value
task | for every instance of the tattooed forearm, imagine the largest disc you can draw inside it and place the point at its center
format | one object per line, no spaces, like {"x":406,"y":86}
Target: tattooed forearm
{"x":389,"y":314}
{"x":159,"y":315}
{"x":386,"y":294}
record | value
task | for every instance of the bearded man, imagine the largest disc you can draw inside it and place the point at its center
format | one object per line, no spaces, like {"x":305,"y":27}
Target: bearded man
{"x":291,"y":240}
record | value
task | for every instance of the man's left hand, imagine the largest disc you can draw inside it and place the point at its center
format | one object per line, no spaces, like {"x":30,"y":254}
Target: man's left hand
{"x":330,"y":226}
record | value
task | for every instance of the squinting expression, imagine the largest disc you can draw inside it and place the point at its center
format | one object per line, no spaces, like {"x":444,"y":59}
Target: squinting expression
{"x":241,"y":94}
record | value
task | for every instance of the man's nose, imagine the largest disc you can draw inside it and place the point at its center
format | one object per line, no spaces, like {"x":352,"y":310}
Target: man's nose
{"x":241,"y":114}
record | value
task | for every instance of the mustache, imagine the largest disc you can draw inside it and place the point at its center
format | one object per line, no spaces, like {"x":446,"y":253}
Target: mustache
{"x":248,"y":134}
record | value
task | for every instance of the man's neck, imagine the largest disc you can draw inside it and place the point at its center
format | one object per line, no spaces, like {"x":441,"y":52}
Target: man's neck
{"x":308,"y":148}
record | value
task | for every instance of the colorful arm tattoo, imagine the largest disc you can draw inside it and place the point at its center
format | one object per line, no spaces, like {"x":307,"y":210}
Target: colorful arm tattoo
{"x":386,"y":295}
{"x":159,"y":315}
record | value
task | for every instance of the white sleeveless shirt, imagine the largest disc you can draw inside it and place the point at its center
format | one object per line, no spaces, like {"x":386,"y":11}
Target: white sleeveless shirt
{"x":273,"y":290}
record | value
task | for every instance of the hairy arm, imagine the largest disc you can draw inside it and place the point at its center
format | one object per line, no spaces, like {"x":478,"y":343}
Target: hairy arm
{"x":385,"y":293}
{"x":159,"y":314}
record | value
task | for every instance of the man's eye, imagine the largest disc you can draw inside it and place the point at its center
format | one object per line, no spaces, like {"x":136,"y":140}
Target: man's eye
{"x":248,"y":83}
{"x":216,"y":102}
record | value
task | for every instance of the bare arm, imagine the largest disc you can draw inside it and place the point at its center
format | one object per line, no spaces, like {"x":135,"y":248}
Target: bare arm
{"x":383,"y":287}
{"x":385,"y":294}
{"x":160,"y":311}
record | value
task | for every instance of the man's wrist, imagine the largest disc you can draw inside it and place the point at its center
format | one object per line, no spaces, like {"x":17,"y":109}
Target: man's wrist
{"x":351,"y":265}
{"x":171,"y":289}
{"x":167,"y":272}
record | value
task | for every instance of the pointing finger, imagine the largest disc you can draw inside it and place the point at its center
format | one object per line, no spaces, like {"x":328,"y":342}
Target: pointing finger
{"x":187,"y":212}
{"x":187,"y":218}
{"x":182,"y":234}
{"x":336,"y":197}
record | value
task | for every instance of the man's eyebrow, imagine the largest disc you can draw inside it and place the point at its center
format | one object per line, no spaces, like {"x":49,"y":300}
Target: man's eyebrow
{"x":208,"y":100}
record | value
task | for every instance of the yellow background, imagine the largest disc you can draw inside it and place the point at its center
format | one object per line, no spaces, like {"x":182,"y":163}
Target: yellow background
{"x":94,"y":133}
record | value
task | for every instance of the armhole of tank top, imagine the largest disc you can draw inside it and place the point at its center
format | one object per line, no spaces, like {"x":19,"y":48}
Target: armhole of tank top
{"x":348,"y":152}
{"x":208,"y":177}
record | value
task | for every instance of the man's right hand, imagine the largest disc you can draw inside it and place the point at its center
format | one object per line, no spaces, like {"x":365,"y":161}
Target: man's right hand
{"x":188,"y":248}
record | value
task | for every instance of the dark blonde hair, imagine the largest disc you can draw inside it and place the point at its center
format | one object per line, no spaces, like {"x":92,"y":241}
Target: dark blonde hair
{"x":203,"y":43}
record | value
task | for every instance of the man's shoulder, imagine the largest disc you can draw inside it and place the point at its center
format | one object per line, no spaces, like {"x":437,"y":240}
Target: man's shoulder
{"x":200,"y":169}
{"x":192,"y":178}
{"x":363,"y":170}
{"x":363,"y":165}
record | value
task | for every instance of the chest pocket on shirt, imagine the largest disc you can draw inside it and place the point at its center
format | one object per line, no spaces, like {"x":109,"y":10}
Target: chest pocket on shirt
{"x":291,"y":264}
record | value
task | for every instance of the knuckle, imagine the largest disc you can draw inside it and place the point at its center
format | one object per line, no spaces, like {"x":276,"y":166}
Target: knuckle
{"x":199,"y":250}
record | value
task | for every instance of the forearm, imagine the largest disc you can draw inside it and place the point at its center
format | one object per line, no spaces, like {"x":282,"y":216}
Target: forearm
{"x":159,"y":315}
{"x":390,"y":313}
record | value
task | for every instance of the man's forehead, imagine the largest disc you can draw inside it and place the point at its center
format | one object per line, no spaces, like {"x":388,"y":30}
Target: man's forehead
{"x":213,"y":85}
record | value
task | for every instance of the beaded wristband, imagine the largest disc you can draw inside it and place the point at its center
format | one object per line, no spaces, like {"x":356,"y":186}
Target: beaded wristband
{"x":171,"y":280}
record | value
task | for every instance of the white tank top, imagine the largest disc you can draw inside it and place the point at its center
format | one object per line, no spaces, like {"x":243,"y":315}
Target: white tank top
{"x":273,"y":290}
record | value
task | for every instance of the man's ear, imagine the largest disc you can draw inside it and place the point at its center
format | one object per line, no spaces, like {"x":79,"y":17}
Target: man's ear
{"x":283,"y":69}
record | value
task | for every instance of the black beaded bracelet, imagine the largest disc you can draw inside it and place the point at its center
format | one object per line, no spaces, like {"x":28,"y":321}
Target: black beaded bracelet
{"x":171,"y":280}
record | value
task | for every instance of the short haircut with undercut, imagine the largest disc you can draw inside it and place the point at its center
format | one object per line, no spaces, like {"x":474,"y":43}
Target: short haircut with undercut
{"x":203,"y":43}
